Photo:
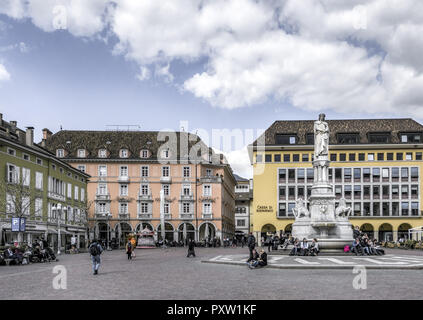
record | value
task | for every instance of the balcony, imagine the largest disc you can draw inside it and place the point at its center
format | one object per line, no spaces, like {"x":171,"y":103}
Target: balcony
{"x":187,"y":197}
{"x":145,"y":197}
{"x":123,"y":179}
{"x":102,"y":215}
{"x":145,"y":216}
{"x":56,"y":196}
{"x":102,"y":197}
{"x":186,"y":216}
{"x":165,"y":179}
{"x":207,"y":215}
{"x":123,"y":215}
{"x":210,"y":179}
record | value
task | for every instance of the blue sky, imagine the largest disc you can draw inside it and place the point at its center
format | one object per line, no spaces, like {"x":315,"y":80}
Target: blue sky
{"x":85,"y":77}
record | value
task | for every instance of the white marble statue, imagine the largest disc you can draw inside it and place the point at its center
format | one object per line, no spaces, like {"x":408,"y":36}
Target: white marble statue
{"x":342,"y":210}
{"x":321,"y":137}
{"x":300,"y":210}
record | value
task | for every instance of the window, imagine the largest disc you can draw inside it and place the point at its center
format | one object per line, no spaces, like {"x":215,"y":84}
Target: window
{"x":144,"y":208}
{"x":414,"y":191}
{"x":209,"y":172}
{"x":76,"y":193}
{"x":366,"y":192}
{"x":291,"y":193}
{"x":300,"y":192}
{"x":102,"y":207}
{"x":338,"y":191}
{"x":414,"y":208}
{"x":395,"y":191}
{"x":310,"y":138}
{"x":81,"y":153}
{"x":310,"y":174}
{"x":240,"y":223}
{"x":389,"y":156}
{"x":166,"y":208}
{"x":379,"y":137}
{"x":39,"y":180}
{"x":376,"y":174}
{"x":165,"y":171}
{"x":124,"y":153}
{"x":371,"y":157}
{"x":145,"y":190}
{"x":357,"y":209}
{"x":13,"y":173}
{"x":347,"y":174}
{"x":11,"y":152}
{"x":207,"y":190}
{"x":399,"y":156}
{"x":338,"y":174}
{"x":291,"y":205}
{"x":25,"y":205}
{"x":82,"y":194}
{"x":291,"y":175}
{"x":385,"y":174}
{"x":38,"y":207}
{"x":295,"y":157}
{"x":268,"y":158}
{"x":385,"y":209}
{"x":26,"y":177}
{"x":404,"y":174}
{"x":404,"y":209}
{"x":123,"y":171}
{"x":206,"y":208}
{"x":404,"y":192}
{"x":186,"y":190}
{"x":144,"y":171}
{"x":301,"y":175}
{"x":348,"y":138}
{"x":282,"y":210}
{"x":144,"y":153}
{"x":395,"y":174}
{"x":60,"y":153}
{"x":286,"y":139}
{"x":408,"y":156}
{"x":102,"y":189}
{"x":259,"y":158}
{"x":81,"y":168}
{"x":305,"y":157}
{"x":40,"y":162}
{"x":376,"y":209}
{"x":102,"y":171}
{"x":380,"y":156}
{"x":357,"y":174}
{"x":361,"y":156}
{"x":282,"y":193}
{"x":69,"y":190}
{"x":286,"y":158}
{"x":187,"y":172}
{"x":123,"y":208}
{"x":418,"y":155}
{"x":277,"y":158}
{"x":385,"y":192}
{"x":102,"y":153}
{"x":333,"y":157}
{"x":282,"y":175}
{"x":347,"y":191}
{"x":351,"y":157}
{"x":342,"y":157}
{"x":25,"y":157}
{"x":376,"y":192}
{"x":165,"y":154}
{"x":123,"y":190}
{"x":366,"y":174}
{"x":414,"y":173}
{"x":395,"y":208}
{"x":411,"y":137}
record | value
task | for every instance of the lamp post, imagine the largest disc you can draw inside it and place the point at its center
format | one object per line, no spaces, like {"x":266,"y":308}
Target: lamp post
{"x":59,"y":214}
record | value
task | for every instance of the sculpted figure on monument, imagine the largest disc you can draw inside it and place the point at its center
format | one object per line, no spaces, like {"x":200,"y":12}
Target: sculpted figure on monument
{"x":342,"y":210}
{"x":321,"y":137}
{"x":300,"y":210}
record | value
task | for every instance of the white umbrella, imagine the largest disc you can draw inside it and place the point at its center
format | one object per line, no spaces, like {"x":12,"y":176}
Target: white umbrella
{"x":162,"y":215}
{"x":185,"y":232}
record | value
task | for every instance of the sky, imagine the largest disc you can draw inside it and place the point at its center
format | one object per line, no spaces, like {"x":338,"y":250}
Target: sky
{"x":208,"y":65}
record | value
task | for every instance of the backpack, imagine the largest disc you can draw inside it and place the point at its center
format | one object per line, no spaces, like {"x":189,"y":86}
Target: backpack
{"x":347,"y":249}
{"x":94,"y":251}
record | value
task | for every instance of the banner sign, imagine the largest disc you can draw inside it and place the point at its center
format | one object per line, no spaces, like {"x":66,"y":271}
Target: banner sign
{"x":18,"y":224}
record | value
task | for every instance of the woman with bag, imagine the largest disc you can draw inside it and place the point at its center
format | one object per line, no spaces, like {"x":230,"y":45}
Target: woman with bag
{"x":129,"y":249}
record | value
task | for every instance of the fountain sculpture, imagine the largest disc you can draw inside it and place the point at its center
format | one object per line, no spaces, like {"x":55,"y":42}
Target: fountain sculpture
{"x":322,"y":221}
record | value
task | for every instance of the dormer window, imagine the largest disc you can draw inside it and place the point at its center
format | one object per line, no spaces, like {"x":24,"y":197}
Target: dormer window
{"x":310,"y":138}
{"x":348,"y":138}
{"x":144,"y":153}
{"x":124,"y":153}
{"x":411,"y":137}
{"x":60,"y":153}
{"x":286,"y":139}
{"x":102,"y":153}
{"x":81,"y":153}
{"x":380,"y":137}
{"x":165,"y":154}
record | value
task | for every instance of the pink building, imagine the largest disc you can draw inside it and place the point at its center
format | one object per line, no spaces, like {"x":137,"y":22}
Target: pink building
{"x":128,"y":170}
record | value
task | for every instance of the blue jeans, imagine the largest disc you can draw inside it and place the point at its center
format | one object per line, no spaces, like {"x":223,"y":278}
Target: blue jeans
{"x":96,"y":262}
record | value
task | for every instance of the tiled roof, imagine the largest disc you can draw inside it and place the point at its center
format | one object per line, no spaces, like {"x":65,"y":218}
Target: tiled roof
{"x":361,"y":126}
{"x":114,"y":141}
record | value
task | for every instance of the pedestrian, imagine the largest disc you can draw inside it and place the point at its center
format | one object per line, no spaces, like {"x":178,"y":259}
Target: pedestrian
{"x":95,"y":250}
{"x":134,"y":245}
{"x":251,"y":243}
{"x":269,"y":243}
{"x":129,"y":249}
{"x":191,"y":246}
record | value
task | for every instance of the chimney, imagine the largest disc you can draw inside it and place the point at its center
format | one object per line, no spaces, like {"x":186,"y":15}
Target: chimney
{"x":13,"y":124}
{"x":29,"y":136}
{"x":46,"y":135}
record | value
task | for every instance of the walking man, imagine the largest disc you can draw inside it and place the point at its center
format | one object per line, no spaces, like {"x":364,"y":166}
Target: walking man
{"x":129,"y":249}
{"x":95,"y":250}
{"x":251,"y":243}
{"x":191,"y":246}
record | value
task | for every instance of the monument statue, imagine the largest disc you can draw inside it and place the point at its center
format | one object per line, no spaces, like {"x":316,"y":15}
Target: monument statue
{"x":342,"y":210}
{"x":322,"y":220}
{"x":300,"y":210}
{"x":321,"y":137}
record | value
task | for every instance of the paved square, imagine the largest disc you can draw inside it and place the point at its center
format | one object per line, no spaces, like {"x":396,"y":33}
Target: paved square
{"x":168,"y":274}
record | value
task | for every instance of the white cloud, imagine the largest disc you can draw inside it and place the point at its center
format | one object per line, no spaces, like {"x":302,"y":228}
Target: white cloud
{"x":344,"y":55}
{"x":4,"y":75}
{"x":240,"y":162}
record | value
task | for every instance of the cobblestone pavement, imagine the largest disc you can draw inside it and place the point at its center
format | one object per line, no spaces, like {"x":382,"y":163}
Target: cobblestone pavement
{"x":168,"y":274}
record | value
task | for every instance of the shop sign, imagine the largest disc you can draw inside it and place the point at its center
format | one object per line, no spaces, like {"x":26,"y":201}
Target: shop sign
{"x":264,"y":208}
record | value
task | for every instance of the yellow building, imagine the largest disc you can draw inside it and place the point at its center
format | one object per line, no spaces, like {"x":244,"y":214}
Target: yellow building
{"x":375,"y":165}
